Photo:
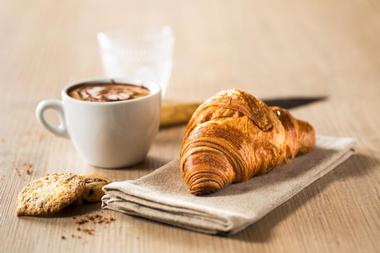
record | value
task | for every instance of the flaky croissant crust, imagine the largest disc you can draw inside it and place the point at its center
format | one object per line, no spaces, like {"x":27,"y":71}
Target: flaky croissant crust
{"x":234,"y":136}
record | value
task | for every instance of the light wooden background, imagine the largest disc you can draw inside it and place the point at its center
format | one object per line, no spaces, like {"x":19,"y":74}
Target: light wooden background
{"x":270,"y":48}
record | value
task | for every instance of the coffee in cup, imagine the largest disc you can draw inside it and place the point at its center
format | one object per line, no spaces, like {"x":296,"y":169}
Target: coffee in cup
{"x":107,"y":92}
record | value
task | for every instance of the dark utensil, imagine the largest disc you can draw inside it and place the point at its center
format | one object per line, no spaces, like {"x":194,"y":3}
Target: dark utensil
{"x":293,"y":102}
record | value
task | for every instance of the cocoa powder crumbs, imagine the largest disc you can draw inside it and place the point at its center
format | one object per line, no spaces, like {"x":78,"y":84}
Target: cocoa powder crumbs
{"x":89,"y":231}
{"x":18,"y":173}
{"x":29,"y":169}
{"x":81,"y":221}
{"x":89,"y":219}
{"x":76,"y":236}
{"x":95,"y":219}
{"x":24,"y":168}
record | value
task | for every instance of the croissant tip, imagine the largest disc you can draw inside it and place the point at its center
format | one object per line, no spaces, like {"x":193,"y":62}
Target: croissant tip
{"x":202,"y":192}
{"x":204,"y":188}
{"x":207,"y":172}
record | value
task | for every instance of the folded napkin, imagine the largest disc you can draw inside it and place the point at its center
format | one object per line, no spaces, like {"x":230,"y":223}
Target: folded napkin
{"x":163,"y":196}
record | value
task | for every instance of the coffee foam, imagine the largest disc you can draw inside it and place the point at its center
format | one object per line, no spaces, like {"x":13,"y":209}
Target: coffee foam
{"x":107,"y":92}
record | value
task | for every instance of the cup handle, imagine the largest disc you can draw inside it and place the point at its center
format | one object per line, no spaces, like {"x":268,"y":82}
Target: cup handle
{"x":56,"y":105}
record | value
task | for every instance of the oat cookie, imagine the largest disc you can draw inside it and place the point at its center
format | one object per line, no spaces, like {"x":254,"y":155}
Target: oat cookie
{"x":94,"y":184}
{"x":49,"y":194}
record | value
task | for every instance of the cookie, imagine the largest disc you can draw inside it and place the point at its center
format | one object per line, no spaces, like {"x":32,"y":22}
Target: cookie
{"x":49,"y":194}
{"x":94,"y":184}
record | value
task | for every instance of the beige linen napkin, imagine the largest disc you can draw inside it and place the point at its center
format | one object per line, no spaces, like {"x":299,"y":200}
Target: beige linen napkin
{"x":163,"y":196}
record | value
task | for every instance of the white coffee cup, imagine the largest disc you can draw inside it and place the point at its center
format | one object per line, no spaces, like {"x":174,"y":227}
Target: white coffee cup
{"x":107,"y":134}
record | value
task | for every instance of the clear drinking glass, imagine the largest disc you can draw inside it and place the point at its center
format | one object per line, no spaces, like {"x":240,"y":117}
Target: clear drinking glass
{"x":141,"y":56}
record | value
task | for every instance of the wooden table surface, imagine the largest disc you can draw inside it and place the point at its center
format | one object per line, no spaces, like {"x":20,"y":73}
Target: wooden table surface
{"x":269,"y":48}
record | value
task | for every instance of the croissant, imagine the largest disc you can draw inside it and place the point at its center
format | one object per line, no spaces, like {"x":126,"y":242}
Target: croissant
{"x":234,"y":136}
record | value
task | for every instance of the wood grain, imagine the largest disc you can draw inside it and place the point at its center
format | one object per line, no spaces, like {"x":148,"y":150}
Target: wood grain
{"x":270,"y":48}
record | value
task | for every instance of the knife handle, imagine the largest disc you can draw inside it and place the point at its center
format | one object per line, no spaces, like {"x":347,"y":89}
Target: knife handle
{"x":176,"y":113}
